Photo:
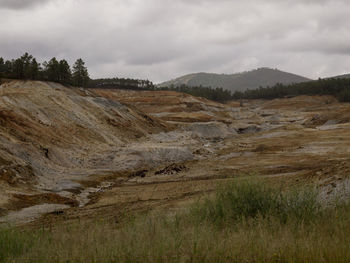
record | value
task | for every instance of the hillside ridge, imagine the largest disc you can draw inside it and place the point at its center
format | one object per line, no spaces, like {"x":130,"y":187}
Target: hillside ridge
{"x":238,"y":81}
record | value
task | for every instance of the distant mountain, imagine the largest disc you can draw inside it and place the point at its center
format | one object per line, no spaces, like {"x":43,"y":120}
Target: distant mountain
{"x":345,"y":76}
{"x":239,"y":81}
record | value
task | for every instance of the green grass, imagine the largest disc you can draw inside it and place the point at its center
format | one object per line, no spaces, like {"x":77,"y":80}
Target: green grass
{"x":14,"y":242}
{"x":249,"y":199}
{"x":243,"y":222}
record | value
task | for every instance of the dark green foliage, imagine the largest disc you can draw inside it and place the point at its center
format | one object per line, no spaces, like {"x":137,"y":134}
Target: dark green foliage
{"x":51,"y":70}
{"x":8,"y":69}
{"x":34,"y":69}
{"x":2,"y":66}
{"x":121,"y":83}
{"x":80,"y":74}
{"x":241,"y":201}
{"x":18,"y":69}
{"x":14,"y":243}
{"x":344,"y":95}
{"x":65,"y":74}
{"x":339,"y":87}
{"x":217,"y":94}
{"x":26,"y":67}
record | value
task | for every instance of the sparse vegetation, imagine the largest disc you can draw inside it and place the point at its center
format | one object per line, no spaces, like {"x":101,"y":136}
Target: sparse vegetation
{"x":252,"y":229}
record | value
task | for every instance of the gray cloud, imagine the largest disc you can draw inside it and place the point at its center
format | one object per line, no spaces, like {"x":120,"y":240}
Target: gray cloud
{"x":162,"y":39}
{"x":20,"y":4}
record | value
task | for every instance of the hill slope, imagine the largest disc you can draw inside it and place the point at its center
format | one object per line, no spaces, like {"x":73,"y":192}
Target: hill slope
{"x":345,"y":76}
{"x":239,"y":81}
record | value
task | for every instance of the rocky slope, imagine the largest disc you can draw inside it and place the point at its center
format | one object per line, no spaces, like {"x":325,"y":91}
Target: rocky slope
{"x":51,"y":135}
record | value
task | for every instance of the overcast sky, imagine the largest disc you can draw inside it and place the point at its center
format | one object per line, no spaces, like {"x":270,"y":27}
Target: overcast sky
{"x":164,"y":39}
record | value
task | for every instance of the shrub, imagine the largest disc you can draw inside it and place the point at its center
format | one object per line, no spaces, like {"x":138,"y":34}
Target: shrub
{"x":246,"y":200}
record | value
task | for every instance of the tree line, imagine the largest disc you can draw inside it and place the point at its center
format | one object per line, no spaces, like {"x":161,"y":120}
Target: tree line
{"x":27,"y":67}
{"x":121,"y":83}
{"x":217,"y":94}
{"x":338,"y":87}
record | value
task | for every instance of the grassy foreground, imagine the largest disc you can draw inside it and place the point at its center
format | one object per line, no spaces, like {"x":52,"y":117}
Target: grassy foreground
{"x":244,"y":222}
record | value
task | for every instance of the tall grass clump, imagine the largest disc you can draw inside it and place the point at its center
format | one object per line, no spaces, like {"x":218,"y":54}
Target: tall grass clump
{"x":13,"y":243}
{"x":249,"y":200}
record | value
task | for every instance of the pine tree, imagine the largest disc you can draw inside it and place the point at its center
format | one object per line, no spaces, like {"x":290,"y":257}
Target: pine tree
{"x":2,"y":67}
{"x":80,"y":74}
{"x":65,"y":72}
{"x":34,"y":69}
{"x":18,"y":68}
{"x":8,"y":69}
{"x":52,"y":70}
{"x":26,"y":62}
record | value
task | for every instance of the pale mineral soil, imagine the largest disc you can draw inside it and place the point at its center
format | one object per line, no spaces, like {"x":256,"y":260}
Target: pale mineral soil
{"x":68,"y":154}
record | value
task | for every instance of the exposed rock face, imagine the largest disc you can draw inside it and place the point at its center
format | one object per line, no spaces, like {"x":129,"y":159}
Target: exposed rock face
{"x":211,"y":130}
{"x":53,"y":132}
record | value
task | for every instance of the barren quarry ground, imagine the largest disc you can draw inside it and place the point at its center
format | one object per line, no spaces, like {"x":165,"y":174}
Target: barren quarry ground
{"x":68,"y":154}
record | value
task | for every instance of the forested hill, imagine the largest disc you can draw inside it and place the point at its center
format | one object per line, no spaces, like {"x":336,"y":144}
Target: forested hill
{"x":261,"y":77}
{"x":338,"y":87}
{"x":345,"y":76}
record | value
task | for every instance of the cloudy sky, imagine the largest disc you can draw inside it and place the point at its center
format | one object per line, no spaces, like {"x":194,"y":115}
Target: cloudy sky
{"x":163,"y":39}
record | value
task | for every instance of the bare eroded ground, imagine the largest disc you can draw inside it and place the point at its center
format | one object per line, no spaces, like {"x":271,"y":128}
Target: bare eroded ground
{"x":76,"y":154}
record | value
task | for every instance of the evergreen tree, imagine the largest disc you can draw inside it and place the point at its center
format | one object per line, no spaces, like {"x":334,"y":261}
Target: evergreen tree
{"x":18,"y":68}
{"x":2,"y":67}
{"x":34,"y":70}
{"x":26,"y":62}
{"x":52,"y":71}
{"x":80,"y":74}
{"x":65,"y":72}
{"x":8,"y":69}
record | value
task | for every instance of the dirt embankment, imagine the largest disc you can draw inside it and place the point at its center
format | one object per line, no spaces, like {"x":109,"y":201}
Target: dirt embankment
{"x":51,"y":135}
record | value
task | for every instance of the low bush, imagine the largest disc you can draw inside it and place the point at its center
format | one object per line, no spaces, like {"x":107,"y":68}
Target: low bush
{"x":245,"y":200}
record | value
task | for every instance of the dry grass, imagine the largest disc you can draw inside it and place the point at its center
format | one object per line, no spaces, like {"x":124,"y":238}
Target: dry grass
{"x":255,"y":235}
